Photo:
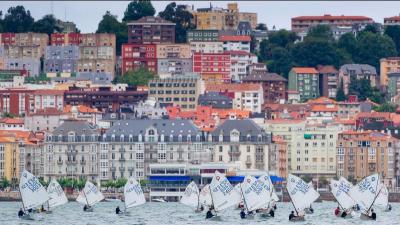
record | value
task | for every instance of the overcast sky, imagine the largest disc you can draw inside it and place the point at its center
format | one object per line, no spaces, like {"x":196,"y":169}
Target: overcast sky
{"x":87,"y":14}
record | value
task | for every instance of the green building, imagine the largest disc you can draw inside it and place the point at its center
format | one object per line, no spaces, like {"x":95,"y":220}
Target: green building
{"x":305,"y":80}
{"x":393,"y":84}
{"x":202,"y":35}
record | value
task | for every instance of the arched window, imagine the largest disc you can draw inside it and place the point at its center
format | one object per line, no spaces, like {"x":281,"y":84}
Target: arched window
{"x":151,"y":132}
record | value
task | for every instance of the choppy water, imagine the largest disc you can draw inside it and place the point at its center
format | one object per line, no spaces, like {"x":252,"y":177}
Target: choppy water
{"x":174,"y":213}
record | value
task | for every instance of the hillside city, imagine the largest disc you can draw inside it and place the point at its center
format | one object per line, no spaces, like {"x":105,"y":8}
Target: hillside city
{"x":174,"y":96}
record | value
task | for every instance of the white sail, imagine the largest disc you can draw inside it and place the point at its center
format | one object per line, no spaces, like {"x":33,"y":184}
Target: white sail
{"x":274,"y":196}
{"x":301,"y":193}
{"x":90,"y":195}
{"x":364,"y":193}
{"x":383,"y":197}
{"x":205,"y":196}
{"x":56,"y":194}
{"x":33,"y":193}
{"x":191,"y":195}
{"x":340,"y":190}
{"x":239,"y":190}
{"x":222,"y":193}
{"x":133,"y":193}
{"x":256,"y":192}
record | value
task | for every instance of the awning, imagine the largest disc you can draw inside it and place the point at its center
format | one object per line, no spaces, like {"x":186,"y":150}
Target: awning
{"x":169,"y":178}
{"x":274,"y":179}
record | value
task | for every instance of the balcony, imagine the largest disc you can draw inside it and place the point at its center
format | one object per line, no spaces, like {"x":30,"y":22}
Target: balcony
{"x":122,"y":150}
{"x":83,"y":162}
{"x":71,"y":162}
{"x":248,"y":162}
{"x":113,"y":168}
{"x":131,"y":168}
{"x":121,"y":168}
{"x":59,"y":162}
{"x":122,"y":159}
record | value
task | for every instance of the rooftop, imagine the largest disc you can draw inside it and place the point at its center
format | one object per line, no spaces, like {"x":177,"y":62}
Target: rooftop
{"x":234,"y":38}
{"x":150,"y":20}
{"x":310,"y":70}
{"x":233,"y":87}
{"x":330,"y":17}
{"x":264,"y":77}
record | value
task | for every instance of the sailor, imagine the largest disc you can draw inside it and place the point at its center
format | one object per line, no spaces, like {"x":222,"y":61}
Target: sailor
{"x":202,"y":208}
{"x":117,"y":210}
{"x":21,"y":212}
{"x":42,"y":209}
{"x":209,"y":214}
{"x":30,"y":210}
{"x":337,"y":211}
{"x":272,"y":213}
{"x":275,"y":207}
{"x":344,"y":214}
{"x":86,"y":207}
{"x":373,"y":215}
{"x":242,"y":214}
{"x":291,"y":216}
{"x":311,"y":209}
{"x":389,"y":207}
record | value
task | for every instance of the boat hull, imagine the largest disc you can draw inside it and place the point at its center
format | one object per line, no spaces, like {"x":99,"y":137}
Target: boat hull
{"x":215,"y":218}
{"x":89,"y":210}
{"x":308,"y":211}
{"x":365,"y":217}
{"x":27,"y":217}
{"x":297,"y":219}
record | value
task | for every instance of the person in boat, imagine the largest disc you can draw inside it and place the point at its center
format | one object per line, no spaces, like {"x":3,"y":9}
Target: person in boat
{"x":373,"y":215}
{"x":42,"y":209}
{"x":311,"y":209}
{"x":275,"y":207}
{"x":389,"y":207}
{"x":242,"y":214}
{"x":118,"y":210}
{"x":291,"y":216}
{"x":344,"y":214}
{"x":337,"y":211}
{"x":272,"y":213}
{"x":209,"y":214}
{"x":21,"y":213}
{"x":202,"y":208}
{"x":357,"y":207}
{"x":86,"y":207}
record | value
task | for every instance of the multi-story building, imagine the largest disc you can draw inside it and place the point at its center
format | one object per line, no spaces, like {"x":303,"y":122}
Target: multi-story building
{"x":25,"y":39}
{"x":274,"y":86}
{"x":235,"y":42}
{"x":43,"y":120}
{"x":278,"y":156}
{"x":9,"y":158}
{"x":393,"y":85}
{"x":206,"y":47}
{"x":135,"y":56}
{"x":130,"y":146}
{"x":216,"y":100}
{"x":13,"y":51}
{"x":305,"y":80}
{"x":165,"y":51}
{"x":72,"y":150}
{"x":240,"y":61}
{"x":241,"y":141}
{"x":64,"y":39}
{"x":388,"y":65}
{"x":202,"y":35}
{"x":374,"y":120}
{"x":222,"y":19}
{"x":303,"y":23}
{"x":15,"y":101}
{"x":61,"y":59}
{"x":151,"y":30}
{"x":245,"y":96}
{"x":362,"y":153}
{"x":103,"y":98}
{"x":182,"y":91}
{"x":30,"y":65}
{"x":174,"y":66}
{"x":47,"y":98}
{"x":213,"y":67}
{"x":389,"y":21}
{"x":328,"y":81}
{"x":358,"y":71}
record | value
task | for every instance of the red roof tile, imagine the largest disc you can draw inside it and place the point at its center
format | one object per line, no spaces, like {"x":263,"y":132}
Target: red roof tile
{"x":330,"y":17}
{"x":233,"y":87}
{"x":305,"y":70}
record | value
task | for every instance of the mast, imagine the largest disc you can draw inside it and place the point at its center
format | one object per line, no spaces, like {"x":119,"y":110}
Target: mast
{"x":376,"y":196}
{"x":244,"y":199}
{"x":198,"y":199}
{"x":212,"y":200}
{"x":83,"y":191}
{"x":292,"y":201}
{"x":22,"y":200}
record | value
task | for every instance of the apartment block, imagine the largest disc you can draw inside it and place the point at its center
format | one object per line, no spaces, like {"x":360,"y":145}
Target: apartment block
{"x":182,"y":91}
{"x":174,"y":66}
{"x":61,"y":39}
{"x":213,"y":67}
{"x":236,"y":42}
{"x":206,"y":47}
{"x":240,"y":62}
{"x":63,"y":59}
{"x":363,"y":153}
{"x":30,"y":65}
{"x":151,"y":30}
{"x":202,"y":36}
{"x":11,"y":51}
{"x":393,"y":20}
{"x":305,"y":80}
{"x":135,"y":56}
{"x":274,"y":86}
{"x":173,"y":51}
{"x":328,"y":81}
{"x":358,"y":71}
{"x":388,"y":65}
{"x":9,"y":158}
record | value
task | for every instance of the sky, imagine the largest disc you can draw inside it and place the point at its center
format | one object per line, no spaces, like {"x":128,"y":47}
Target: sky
{"x":87,"y":14}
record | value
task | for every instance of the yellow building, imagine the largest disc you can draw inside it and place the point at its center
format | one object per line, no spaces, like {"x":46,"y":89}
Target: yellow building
{"x":388,"y":65}
{"x":9,"y":158}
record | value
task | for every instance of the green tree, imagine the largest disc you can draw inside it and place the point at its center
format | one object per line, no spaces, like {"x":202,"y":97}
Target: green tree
{"x":386,"y":107}
{"x":48,"y":25}
{"x":348,"y":43}
{"x":110,"y":24}
{"x":372,"y":47}
{"x":307,"y":178}
{"x":373,"y":28}
{"x":394,"y":33}
{"x":323,"y":32}
{"x":17,"y":20}
{"x":43,"y":182}
{"x":137,"y":9}
{"x":362,"y":88}
{"x":282,"y":38}
{"x":119,"y":183}
{"x":340,"y":96}
{"x":181,"y":17}
{"x":138,"y":77}
{"x":313,"y":52}
{"x":280,"y":61}
{"x":4,"y":183}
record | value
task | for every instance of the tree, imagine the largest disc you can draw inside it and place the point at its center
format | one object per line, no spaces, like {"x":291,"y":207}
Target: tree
{"x":373,"y":28}
{"x":17,"y":20}
{"x":307,"y":178}
{"x":348,"y":43}
{"x":394,"y":33}
{"x":320,"y":32}
{"x":110,"y":24}
{"x":362,"y":88}
{"x":4,"y":183}
{"x":138,"y":77}
{"x":119,"y":183}
{"x":43,"y":182}
{"x":137,"y":9}
{"x":48,"y":25}
{"x":340,"y":96}
{"x":282,"y":38}
{"x":280,"y":61}
{"x":313,"y":52}
{"x":181,"y":17}
{"x":261,"y":26}
{"x":386,"y":107}
{"x":372,"y":47}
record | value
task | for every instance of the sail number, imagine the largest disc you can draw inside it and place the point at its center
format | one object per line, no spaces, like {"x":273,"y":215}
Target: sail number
{"x":135,"y":188}
{"x":300,"y":186}
{"x":225,"y":187}
{"x":33,"y":184}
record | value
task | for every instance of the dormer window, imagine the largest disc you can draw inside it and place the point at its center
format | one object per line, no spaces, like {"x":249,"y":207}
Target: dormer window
{"x":71,"y":137}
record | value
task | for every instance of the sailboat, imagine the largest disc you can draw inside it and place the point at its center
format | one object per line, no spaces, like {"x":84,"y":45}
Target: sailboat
{"x":32,"y":192}
{"x":383,"y":198}
{"x":340,"y":190}
{"x":301,"y":194}
{"x":89,"y":196}
{"x":273,"y":197}
{"x":56,"y":195}
{"x":191,"y":197}
{"x":238,"y":188}
{"x":256,"y":194}
{"x":222,"y":193}
{"x":365,"y":194}
{"x":133,"y":194}
{"x":205,"y":196}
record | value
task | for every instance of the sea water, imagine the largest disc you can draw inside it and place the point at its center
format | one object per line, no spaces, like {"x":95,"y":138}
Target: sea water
{"x":155,"y":213}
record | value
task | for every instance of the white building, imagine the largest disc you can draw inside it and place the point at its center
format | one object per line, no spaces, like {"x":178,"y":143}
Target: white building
{"x":240,"y":62}
{"x":236,"y":42}
{"x":206,"y":46}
